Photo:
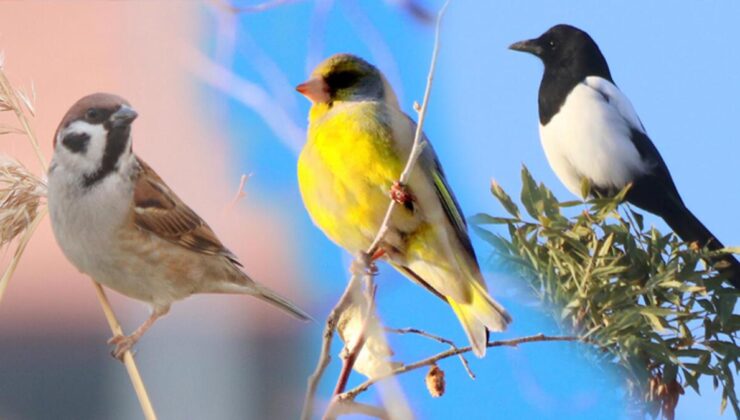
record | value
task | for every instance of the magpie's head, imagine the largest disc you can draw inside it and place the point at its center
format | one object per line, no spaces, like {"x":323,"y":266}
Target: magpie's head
{"x":565,"y":47}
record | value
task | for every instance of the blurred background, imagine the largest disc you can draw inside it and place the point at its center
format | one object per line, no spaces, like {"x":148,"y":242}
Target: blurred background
{"x":213,"y":84}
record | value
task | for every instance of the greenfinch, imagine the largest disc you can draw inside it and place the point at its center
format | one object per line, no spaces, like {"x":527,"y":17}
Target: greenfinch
{"x":357,"y":146}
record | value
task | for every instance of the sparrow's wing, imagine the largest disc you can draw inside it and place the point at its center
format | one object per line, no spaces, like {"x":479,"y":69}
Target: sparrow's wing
{"x":159,"y":211}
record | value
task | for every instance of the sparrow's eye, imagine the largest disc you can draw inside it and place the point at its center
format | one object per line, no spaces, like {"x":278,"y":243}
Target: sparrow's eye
{"x":93,"y":114}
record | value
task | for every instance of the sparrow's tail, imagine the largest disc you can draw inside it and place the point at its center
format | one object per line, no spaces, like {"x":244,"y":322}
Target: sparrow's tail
{"x":262,"y":292}
{"x":690,"y":229}
{"x":480,"y":315}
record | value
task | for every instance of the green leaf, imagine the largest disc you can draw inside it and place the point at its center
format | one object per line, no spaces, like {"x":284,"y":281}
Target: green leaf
{"x":585,"y":188}
{"x":505,"y":200}
{"x":640,"y":296}
{"x":484,"y":219}
{"x":530,"y":193}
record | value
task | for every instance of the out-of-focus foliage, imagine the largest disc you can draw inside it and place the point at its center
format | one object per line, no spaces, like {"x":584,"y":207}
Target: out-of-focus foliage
{"x":650,"y":301}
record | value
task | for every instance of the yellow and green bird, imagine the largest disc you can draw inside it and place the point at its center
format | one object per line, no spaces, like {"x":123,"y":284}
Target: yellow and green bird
{"x":358,"y":143}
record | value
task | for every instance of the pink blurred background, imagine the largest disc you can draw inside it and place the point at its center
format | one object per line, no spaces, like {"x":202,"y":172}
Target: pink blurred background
{"x":52,"y":330}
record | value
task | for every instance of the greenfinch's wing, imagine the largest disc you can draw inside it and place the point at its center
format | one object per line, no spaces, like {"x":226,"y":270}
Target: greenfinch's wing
{"x":430,"y":164}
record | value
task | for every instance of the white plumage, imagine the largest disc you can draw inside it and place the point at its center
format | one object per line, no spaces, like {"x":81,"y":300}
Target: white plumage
{"x":590,"y":137}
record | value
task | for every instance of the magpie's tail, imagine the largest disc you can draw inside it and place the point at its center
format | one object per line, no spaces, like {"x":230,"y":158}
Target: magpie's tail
{"x":690,"y":229}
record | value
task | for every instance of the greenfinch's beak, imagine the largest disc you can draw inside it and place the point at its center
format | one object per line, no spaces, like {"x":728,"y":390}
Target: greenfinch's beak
{"x":531,"y":46}
{"x":315,"y":89}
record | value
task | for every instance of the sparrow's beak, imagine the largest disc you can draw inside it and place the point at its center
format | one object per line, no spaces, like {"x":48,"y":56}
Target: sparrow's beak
{"x":124,"y":116}
{"x":530,"y":46}
{"x":315,"y":89}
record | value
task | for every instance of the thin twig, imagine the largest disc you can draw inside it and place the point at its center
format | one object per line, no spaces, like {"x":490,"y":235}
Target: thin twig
{"x":19,"y":251}
{"x":128,"y":358}
{"x":240,"y":191}
{"x":419,"y":140}
{"x":351,"y":358}
{"x":351,"y":394}
{"x":324,"y":356}
{"x":437,"y":338}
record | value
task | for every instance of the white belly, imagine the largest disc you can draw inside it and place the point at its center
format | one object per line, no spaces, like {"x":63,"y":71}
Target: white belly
{"x":589,"y":138}
{"x":85,"y":220}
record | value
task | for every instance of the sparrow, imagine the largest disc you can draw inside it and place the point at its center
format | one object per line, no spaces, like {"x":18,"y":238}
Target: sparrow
{"x":116,"y":220}
{"x":589,"y":129}
{"x":357,"y":145}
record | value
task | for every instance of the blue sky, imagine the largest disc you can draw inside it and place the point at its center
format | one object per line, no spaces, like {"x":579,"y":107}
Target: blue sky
{"x":677,"y":64}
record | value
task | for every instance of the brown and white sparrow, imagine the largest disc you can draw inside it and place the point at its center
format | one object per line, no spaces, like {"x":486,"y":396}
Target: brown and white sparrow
{"x":117,"y":221}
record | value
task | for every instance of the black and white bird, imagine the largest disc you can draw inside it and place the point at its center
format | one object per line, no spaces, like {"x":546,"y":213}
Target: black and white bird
{"x":589,"y":129}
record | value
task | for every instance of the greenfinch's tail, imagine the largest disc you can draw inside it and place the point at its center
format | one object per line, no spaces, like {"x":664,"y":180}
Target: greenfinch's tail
{"x":480,"y":315}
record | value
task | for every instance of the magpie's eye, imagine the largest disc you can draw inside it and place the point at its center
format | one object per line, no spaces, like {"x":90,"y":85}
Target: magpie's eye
{"x":552,"y":44}
{"x":93,"y":114}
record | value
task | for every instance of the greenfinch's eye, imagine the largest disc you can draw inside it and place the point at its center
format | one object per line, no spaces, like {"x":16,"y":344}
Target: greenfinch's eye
{"x":342,"y":79}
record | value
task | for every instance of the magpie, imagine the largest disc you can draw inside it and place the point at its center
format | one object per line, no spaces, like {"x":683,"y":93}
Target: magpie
{"x":589,"y":129}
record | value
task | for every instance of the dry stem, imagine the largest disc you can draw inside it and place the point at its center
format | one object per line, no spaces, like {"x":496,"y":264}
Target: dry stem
{"x":19,"y":251}
{"x":324,"y":356}
{"x":15,"y":104}
{"x":128,"y":358}
{"x":442,"y":340}
{"x":351,"y":394}
{"x":351,"y":358}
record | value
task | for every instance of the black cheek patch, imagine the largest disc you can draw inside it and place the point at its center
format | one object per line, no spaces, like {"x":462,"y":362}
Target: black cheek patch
{"x":341,"y":80}
{"x":76,"y":142}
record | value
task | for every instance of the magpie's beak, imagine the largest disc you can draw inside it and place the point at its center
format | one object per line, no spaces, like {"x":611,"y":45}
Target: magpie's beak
{"x":124,"y":116}
{"x":530,"y":46}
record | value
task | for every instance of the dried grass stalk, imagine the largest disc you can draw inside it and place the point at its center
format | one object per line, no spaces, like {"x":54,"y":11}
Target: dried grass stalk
{"x":21,"y":193}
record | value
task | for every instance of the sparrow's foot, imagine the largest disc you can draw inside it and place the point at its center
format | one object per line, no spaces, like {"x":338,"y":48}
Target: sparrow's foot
{"x":123,"y":344}
{"x":401,"y":195}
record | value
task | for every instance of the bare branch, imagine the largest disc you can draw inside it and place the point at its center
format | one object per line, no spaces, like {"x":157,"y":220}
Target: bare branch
{"x":240,"y":190}
{"x":351,"y":358}
{"x":128,"y":358}
{"x":437,"y":338}
{"x":324,"y":356}
{"x":351,"y":394}
{"x":419,"y":141}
